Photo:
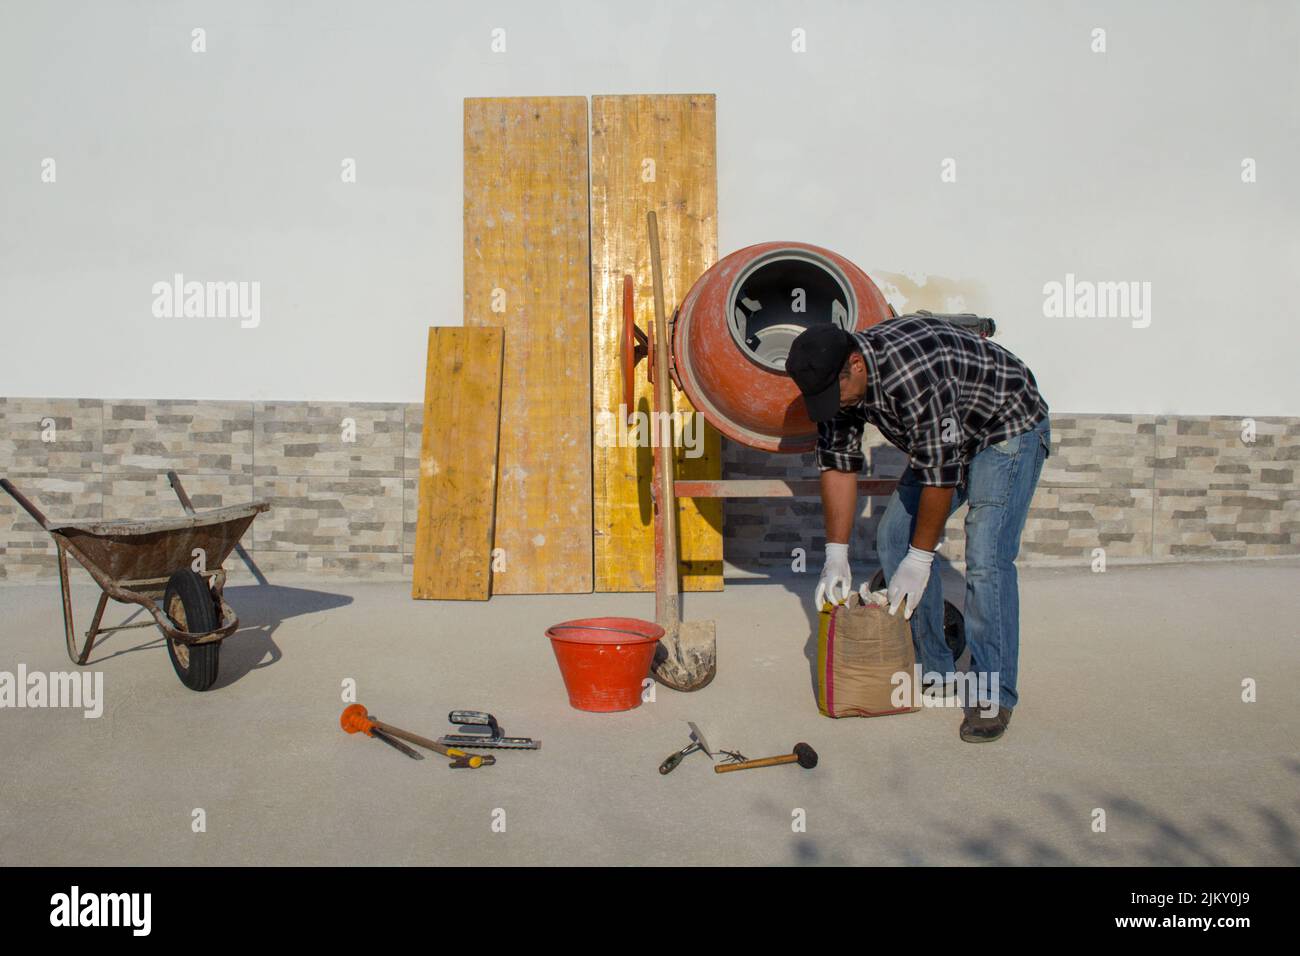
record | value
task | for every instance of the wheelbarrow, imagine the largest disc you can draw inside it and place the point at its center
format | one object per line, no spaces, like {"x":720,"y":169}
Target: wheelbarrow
{"x":173,"y":560}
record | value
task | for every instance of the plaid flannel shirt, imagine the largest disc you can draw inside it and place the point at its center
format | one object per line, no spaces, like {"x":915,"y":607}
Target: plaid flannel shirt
{"x":938,"y":392}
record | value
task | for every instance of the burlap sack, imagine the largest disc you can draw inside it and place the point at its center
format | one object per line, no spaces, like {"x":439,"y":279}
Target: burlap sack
{"x":859,"y":650}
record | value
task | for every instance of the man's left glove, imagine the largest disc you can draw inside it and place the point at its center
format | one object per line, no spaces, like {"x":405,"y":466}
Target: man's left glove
{"x":909,"y":580}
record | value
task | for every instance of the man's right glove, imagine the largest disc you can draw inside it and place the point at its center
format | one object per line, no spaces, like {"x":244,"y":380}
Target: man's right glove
{"x":909,"y":580}
{"x":836,"y":578}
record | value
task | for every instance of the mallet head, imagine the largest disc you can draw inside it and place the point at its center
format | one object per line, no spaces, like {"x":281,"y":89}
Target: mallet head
{"x":807,"y":756}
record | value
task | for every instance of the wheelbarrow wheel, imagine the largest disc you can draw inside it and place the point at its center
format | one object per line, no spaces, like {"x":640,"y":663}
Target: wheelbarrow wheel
{"x":188,"y":602}
{"x":954,"y":623}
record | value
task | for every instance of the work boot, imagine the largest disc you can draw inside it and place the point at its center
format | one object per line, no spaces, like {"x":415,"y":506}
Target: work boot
{"x":978,"y":729}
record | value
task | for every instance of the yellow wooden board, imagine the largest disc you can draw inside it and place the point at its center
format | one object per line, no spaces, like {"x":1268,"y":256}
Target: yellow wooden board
{"x":649,"y":152}
{"x":458,"y":451}
{"x":526,"y":269}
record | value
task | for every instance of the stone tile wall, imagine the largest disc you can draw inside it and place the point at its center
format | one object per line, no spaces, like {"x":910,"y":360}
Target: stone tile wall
{"x":332,"y":472}
{"x":1142,"y":487}
{"x":341,"y":480}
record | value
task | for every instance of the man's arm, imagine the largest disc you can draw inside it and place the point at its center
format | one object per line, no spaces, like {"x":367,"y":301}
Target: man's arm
{"x":931,"y":515}
{"x":840,"y":503}
{"x":840,"y":460}
{"x":909,"y":580}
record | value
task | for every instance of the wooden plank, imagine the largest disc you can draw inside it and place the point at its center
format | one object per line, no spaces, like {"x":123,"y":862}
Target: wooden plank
{"x":458,"y":476}
{"x":649,"y":152}
{"x":526,"y":270}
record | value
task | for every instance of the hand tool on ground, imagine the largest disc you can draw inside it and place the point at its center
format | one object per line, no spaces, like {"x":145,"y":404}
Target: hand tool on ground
{"x":356,"y":719}
{"x":803,"y":755}
{"x":697,"y":743}
{"x":493,"y":739}
{"x":396,"y":744}
{"x":686,"y":658}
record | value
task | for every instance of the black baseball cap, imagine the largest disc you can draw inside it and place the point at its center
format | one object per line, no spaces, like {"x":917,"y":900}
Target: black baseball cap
{"x":816,"y":357}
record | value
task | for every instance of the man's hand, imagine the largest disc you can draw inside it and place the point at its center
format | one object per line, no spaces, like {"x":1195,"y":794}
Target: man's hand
{"x":839,"y":502}
{"x":913,"y":572}
{"x":909,"y":580}
{"x":836,"y":576}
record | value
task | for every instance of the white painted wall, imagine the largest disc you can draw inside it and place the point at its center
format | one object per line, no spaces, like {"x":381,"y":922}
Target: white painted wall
{"x":225,"y":165}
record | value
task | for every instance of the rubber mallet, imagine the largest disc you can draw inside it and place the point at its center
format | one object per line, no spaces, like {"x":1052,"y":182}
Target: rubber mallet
{"x":803,"y":755}
{"x":355,"y":719}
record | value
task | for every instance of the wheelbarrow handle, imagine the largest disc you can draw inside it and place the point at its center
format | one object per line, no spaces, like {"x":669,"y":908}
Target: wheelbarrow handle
{"x":174,"y":480}
{"x":19,"y":497}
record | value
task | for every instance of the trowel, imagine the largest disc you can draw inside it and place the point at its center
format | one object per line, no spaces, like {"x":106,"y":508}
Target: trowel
{"x":697,"y":743}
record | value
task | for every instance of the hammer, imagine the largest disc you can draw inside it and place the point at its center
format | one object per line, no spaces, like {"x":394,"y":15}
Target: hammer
{"x":355,"y":719}
{"x":803,"y":755}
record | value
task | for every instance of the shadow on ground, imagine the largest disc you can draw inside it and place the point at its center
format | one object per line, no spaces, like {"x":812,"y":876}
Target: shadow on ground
{"x":1149,"y":837}
{"x":262,"y":608}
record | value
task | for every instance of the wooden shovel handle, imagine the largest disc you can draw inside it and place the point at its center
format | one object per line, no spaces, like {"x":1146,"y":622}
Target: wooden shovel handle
{"x":667,"y":601}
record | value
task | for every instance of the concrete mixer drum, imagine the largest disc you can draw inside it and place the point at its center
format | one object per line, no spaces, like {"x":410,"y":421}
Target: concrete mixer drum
{"x":778,"y":296}
{"x":733,"y":331}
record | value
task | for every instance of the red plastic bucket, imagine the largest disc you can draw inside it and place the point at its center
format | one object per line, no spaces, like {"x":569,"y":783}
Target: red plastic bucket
{"x":603,"y":660}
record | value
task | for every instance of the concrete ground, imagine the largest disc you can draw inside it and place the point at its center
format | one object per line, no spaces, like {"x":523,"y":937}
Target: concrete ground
{"x":1131,"y":703}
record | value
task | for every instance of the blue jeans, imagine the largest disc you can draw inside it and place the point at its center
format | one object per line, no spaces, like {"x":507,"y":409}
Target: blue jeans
{"x":1000,"y":482}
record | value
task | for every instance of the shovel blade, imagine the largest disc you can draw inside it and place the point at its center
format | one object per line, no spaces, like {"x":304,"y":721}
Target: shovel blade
{"x":687,"y":659}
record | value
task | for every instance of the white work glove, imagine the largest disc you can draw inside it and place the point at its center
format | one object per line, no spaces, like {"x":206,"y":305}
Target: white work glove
{"x":909,"y":580}
{"x":836,"y":578}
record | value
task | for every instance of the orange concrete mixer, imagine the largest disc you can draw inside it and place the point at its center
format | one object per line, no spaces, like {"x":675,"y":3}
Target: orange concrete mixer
{"x":733,"y":331}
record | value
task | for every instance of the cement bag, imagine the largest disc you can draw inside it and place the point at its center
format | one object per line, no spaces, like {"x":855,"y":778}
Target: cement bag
{"x":859,"y":650}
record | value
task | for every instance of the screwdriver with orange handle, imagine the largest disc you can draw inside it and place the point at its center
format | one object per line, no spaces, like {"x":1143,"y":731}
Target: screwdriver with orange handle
{"x":355,"y":719}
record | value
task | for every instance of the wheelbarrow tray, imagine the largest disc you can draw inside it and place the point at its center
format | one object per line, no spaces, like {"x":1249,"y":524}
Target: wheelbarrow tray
{"x":151,"y":549}
{"x":133,"y":560}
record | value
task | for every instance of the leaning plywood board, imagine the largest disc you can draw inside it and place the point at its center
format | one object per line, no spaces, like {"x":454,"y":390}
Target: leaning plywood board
{"x":526,"y":269}
{"x":458,"y":477}
{"x":649,"y":152}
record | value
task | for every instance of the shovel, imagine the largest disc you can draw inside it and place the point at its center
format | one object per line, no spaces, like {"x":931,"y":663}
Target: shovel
{"x":686,"y":658}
